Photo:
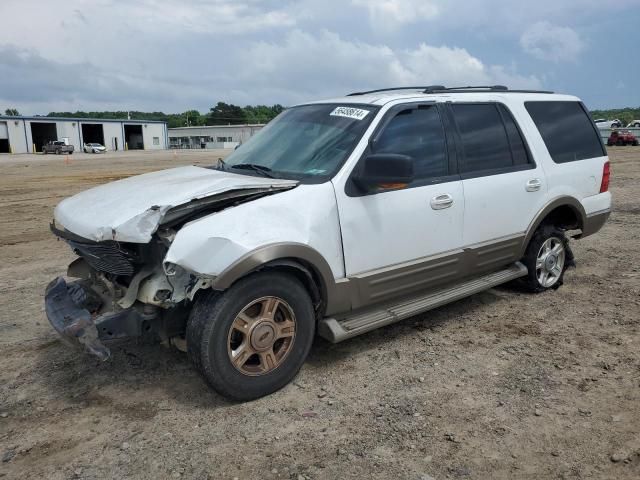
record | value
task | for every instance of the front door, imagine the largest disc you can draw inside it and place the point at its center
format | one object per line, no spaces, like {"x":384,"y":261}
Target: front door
{"x":404,"y":239}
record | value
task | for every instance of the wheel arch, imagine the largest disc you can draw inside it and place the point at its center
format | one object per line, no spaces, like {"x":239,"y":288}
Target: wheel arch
{"x":565,"y":212}
{"x":304,"y":262}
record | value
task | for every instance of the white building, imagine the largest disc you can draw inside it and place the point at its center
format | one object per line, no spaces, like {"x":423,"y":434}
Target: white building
{"x":28,"y":134}
{"x":215,"y":136}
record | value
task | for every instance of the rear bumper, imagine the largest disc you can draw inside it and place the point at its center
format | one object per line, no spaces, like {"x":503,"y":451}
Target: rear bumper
{"x":69,"y":307}
{"x":594,"y":222}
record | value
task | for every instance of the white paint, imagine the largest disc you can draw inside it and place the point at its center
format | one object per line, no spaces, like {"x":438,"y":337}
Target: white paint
{"x":306,"y":214}
{"x":353,"y":234}
{"x":122,"y":210}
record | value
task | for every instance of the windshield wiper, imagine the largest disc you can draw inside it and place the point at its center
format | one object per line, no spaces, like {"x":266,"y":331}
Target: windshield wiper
{"x":265,"y":171}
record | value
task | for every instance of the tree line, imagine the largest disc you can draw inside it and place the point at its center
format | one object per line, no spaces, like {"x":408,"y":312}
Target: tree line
{"x":229,"y":114}
{"x":625,"y":115}
{"x":222,"y":114}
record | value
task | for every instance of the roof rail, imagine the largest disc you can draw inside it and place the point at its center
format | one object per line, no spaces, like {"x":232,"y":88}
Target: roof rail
{"x":395,"y":88}
{"x":481,"y":88}
{"x":443,"y":89}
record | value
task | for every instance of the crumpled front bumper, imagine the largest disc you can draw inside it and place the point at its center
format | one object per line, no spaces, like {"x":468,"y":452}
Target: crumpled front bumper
{"x":65,"y":307}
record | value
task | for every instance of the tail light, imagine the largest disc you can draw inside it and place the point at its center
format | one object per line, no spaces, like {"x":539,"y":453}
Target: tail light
{"x":606,"y":173}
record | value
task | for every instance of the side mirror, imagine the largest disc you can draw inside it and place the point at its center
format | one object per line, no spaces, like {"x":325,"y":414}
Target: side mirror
{"x":385,"y":170}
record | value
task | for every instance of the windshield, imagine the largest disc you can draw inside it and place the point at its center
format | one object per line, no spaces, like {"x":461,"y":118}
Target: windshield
{"x":306,"y":142}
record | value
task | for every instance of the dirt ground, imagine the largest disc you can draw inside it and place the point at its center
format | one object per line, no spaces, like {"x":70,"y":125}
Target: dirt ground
{"x":500,"y":385}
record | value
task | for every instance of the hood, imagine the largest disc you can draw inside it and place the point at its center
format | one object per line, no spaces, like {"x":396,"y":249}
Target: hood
{"x":130,"y":210}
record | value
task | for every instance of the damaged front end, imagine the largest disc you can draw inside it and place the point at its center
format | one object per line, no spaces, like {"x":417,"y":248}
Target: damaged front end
{"x":104,"y":301}
{"x":124,"y":289}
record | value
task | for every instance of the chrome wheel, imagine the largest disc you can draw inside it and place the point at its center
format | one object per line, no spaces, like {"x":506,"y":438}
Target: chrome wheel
{"x":550,"y":262}
{"x":261,"y":336}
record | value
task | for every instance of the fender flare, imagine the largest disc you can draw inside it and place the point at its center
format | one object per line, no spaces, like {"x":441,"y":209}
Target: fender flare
{"x":571,"y":202}
{"x":333,"y":292}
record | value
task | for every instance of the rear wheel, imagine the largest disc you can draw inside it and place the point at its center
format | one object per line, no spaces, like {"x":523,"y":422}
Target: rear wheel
{"x":547,"y":258}
{"x":252,"y":339}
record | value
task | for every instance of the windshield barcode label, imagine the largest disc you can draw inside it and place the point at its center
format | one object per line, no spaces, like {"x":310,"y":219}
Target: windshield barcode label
{"x":349,"y":112}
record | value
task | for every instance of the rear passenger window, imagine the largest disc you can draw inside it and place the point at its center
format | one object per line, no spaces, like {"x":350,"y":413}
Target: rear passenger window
{"x":518,"y":149}
{"x":484,"y":138}
{"x":567,"y":130}
{"x":418,"y":133}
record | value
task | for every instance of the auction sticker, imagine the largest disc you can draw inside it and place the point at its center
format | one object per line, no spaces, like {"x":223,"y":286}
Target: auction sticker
{"x":349,"y":112}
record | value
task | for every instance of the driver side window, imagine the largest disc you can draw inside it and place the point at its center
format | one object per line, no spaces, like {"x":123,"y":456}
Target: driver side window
{"x":418,"y":133}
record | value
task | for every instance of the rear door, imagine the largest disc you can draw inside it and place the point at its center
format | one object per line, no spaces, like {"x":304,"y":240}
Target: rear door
{"x":503,"y":187}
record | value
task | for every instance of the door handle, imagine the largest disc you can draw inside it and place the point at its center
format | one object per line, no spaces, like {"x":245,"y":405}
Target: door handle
{"x":533,"y":185}
{"x":440,"y":202}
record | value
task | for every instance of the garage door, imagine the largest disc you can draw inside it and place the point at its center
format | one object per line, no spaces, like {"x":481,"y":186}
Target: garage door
{"x":4,"y":133}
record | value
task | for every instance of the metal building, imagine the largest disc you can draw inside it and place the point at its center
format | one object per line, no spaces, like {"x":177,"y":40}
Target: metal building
{"x":28,"y":134}
{"x":215,"y":136}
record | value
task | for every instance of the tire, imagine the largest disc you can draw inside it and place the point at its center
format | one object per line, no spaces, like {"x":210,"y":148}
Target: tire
{"x":213,"y":335}
{"x":609,"y":144}
{"x":635,"y":143}
{"x":546,"y":235}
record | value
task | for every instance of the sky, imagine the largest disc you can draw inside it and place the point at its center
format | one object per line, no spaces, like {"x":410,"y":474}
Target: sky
{"x":175,"y":55}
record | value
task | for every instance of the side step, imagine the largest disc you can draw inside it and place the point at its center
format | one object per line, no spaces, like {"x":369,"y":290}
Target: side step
{"x":337,"y":330}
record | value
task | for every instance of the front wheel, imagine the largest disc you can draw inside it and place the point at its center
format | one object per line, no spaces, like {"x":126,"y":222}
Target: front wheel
{"x":252,"y":339}
{"x":547,"y":258}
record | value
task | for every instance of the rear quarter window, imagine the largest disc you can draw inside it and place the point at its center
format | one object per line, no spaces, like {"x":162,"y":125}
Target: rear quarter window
{"x":567,"y":130}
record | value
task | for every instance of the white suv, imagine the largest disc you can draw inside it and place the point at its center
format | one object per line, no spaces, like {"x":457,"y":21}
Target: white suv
{"x":339,"y":217}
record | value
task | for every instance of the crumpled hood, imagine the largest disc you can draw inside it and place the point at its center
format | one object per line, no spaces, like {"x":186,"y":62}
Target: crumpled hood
{"x":131,"y":209}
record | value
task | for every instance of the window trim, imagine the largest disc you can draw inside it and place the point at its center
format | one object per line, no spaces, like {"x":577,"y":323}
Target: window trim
{"x":351,"y":190}
{"x":595,"y":128}
{"x":531,"y":165}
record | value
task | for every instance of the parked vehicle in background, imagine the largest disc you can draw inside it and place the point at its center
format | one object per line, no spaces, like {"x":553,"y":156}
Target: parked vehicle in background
{"x":603,"y":123}
{"x":58,"y":147}
{"x":94,"y":148}
{"x":621,"y":138}
{"x":634,"y":124}
{"x":339,"y":217}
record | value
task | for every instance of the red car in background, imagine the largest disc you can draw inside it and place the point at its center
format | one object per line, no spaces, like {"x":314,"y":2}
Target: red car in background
{"x":622,"y":137}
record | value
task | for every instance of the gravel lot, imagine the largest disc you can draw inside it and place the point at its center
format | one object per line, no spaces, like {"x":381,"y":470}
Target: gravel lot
{"x":500,"y":385}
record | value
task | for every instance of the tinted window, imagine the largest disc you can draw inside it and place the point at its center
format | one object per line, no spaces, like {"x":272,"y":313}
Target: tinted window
{"x":417,"y":132}
{"x":566,"y":130}
{"x":483,"y":136}
{"x":516,"y":142}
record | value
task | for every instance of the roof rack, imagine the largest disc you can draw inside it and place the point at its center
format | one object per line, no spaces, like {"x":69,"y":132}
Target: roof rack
{"x":394,"y":88}
{"x":443,"y":89}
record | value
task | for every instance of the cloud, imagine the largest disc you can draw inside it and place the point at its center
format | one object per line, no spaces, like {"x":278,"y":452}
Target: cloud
{"x":391,"y":14}
{"x":29,"y":80}
{"x":550,"y":42}
{"x":305,"y":65}
{"x":297,"y":68}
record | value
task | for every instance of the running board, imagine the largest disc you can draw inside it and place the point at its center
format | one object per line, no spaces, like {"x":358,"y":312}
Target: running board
{"x":337,"y":330}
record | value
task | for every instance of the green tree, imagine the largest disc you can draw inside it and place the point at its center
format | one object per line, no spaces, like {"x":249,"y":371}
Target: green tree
{"x":262,"y":113}
{"x":12,"y":112}
{"x":226,"y":114}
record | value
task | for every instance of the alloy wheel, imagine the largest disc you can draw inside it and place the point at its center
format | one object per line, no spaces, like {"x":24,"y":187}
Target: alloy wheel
{"x":261,"y":336}
{"x":550,"y":262}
